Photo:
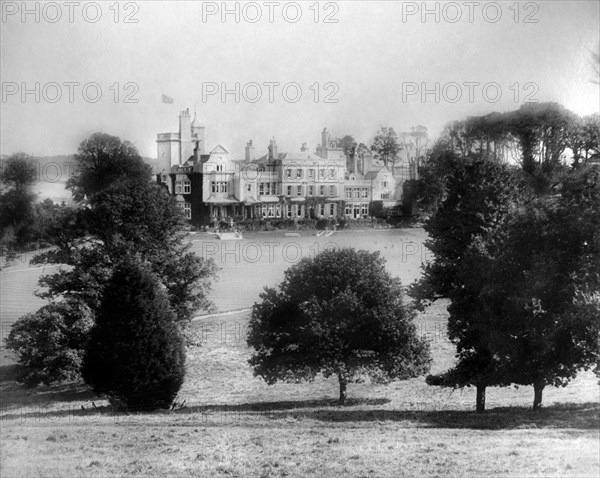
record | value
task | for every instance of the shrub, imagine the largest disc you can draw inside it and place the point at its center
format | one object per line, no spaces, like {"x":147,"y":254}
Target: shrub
{"x":50,"y":343}
{"x":136,"y":354}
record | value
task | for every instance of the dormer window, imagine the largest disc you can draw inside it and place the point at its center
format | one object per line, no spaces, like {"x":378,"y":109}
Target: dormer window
{"x":219,"y":168}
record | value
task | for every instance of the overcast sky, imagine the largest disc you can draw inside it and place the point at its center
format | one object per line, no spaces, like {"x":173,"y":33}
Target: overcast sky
{"x":367,"y":59}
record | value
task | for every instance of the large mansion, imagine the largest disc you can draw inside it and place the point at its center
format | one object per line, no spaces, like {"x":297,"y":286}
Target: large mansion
{"x":299,"y":184}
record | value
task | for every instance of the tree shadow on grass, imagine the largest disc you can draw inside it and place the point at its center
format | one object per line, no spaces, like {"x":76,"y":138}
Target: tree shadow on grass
{"x":582,"y":416}
{"x":15,"y":395}
{"x":573,"y":416}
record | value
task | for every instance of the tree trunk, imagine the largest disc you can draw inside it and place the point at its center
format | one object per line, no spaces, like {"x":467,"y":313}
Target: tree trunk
{"x":343,"y":394}
{"x":538,"y":388}
{"x":480,"y":404}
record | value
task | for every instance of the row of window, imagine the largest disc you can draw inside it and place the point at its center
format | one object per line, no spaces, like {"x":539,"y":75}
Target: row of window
{"x":357,"y":210}
{"x":299,"y":173}
{"x":357,"y":193}
{"x":292,"y":210}
{"x":299,"y":190}
{"x":218,"y":186}
{"x":266,"y":189}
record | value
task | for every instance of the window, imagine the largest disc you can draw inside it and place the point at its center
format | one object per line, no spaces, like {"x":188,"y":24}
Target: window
{"x":271,"y":211}
{"x":187,"y":210}
{"x":322,"y":209}
{"x":348,"y":210}
{"x":261,"y":189}
{"x":288,"y":173}
{"x":289,"y":190}
{"x":311,"y":173}
{"x":385,"y":195}
{"x":311,"y":190}
{"x":348,"y":193}
{"x":321,"y":173}
{"x":298,"y":173}
{"x":384,"y":184}
{"x":365,"y":193}
{"x":356,"y":192}
{"x":299,"y":191}
{"x":218,"y":186}
{"x":289,"y":210}
{"x":187,"y":187}
{"x":178,"y":187}
{"x":219,"y":168}
{"x":332,"y":190}
{"x":322,"y":191}
{"x":332,"y":173}
{"x":274,"y":188}
{"x":332,"y":209}
{"x":365,"y":210}
{"x":249,"y":187}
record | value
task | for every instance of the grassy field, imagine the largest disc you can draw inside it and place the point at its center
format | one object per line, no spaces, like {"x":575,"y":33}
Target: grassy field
{"x":232,"y":424}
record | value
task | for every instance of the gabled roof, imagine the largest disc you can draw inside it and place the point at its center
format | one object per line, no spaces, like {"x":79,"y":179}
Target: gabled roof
{"x":219,"y":150}
{"x":370,"y":175}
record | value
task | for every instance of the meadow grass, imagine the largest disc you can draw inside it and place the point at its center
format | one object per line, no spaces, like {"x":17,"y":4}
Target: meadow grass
{"x":233,"y":424}
{"x":228,"y":423}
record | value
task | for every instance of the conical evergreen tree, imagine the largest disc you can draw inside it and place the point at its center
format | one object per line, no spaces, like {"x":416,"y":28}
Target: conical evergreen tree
{"x":136,"y":353}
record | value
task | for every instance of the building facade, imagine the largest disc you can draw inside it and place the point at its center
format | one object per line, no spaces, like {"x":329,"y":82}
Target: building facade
{"x":212,"y":186}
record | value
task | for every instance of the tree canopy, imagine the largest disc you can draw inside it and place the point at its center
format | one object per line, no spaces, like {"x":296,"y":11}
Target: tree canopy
{"x":102,"y":160}
{"x":339,"y":313}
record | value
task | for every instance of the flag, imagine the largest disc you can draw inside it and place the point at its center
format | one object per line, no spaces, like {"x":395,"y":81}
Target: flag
{"x":167,"y":99}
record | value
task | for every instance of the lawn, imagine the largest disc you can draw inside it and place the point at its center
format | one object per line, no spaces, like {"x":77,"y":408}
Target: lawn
{"x":233,"y":424}
{"x":229,"y":423}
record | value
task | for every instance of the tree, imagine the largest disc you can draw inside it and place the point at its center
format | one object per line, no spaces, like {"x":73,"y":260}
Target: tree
{"x":102,"y":160}
{"x":414,"y":142}
{"x":129,"y":217}
{"x":126,"y":218}
{"x":479,"y":195}
{"x":17,"y":211}
{"x":18,"y":171}
{"x":50,"y":342}
{"x":349,"y":144}
{"x":433,"y":174}
{"x":540,"y":299}
{"x":361,"y":151}
{"x":136,"y":353}
{"x":386,"y":145}
{"x":339,"y":313}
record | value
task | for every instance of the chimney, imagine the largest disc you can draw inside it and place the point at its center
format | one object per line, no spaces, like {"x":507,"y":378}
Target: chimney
{"x":324,"y":139}
{"x":250,"y":151}
{"x":273,"y":155}
{"x":185,"y":136}
{"x":197,"y":153}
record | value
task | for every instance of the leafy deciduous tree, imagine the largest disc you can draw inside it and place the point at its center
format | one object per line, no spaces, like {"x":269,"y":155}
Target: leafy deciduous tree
{"x":340,"y":314}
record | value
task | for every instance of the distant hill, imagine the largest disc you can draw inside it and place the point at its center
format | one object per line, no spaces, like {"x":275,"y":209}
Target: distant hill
{"x":53,"y":172}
